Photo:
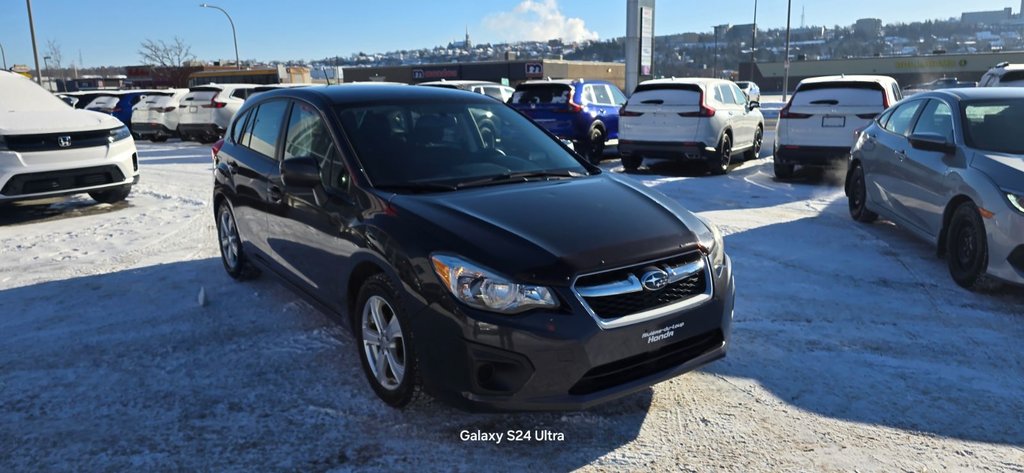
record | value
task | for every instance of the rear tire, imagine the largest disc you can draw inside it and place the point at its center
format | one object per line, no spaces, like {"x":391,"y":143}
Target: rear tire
{"x":784,"y":171}
{"x":857,"y":196}
{"x":595,"y":146}
{"x":631,"y":163}
{"x":384,"y":339}
{"x":723,"y":158}
{"x":112,"y":195}
{"x":236,"y":263}
{"x":158,"y":139}
{"x":967,"y":249}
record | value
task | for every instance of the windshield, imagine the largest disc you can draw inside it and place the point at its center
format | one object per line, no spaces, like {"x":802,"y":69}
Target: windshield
{"x":450,"y":145}
{"x":995,"y":125}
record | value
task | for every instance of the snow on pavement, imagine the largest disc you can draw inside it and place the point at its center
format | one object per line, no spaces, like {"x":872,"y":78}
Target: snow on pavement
{"x":852,"y":350}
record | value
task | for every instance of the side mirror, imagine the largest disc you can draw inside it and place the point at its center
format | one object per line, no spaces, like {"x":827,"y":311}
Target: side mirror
{"x":932,"y":142}
{"x":754,"y":104}
{"x":300,"y":172}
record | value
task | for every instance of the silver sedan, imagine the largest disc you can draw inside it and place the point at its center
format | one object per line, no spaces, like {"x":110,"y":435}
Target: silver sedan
{"x":948,"y":165}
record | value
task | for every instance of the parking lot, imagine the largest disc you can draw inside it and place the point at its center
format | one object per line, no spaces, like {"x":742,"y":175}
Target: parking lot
{"x":852,"y":349}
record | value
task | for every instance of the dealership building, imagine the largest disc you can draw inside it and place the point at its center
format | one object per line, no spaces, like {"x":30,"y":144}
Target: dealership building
{"x":907,"y":70}
{"x":510,"y":72}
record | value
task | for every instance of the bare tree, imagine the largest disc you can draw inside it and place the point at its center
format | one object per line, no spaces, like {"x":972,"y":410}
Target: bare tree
{"x":54,"y":52}
{"x":160,"y":53}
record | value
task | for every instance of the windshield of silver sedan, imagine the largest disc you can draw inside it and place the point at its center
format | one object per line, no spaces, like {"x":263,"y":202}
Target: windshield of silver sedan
{"x":995,"y":125}
{"x":446,"y":147}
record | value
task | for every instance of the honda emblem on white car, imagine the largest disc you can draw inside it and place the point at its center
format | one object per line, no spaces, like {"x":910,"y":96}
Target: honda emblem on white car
{"x":64,"y":141}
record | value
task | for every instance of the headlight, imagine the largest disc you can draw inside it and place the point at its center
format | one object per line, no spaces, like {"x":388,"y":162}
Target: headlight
{"x":1016,"y":200}
{"x":483,"y":289}
{"x":118,"y":134}
{"x":712,"y":242}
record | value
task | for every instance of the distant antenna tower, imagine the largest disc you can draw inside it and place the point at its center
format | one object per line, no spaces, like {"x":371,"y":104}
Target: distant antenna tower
{"x":803,"y":11}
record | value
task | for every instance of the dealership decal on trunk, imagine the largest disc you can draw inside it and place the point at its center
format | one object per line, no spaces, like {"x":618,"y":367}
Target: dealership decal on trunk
{"x":662,"y":334}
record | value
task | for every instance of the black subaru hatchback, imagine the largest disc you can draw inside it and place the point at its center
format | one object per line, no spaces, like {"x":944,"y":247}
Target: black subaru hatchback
{"x":472,"y":254}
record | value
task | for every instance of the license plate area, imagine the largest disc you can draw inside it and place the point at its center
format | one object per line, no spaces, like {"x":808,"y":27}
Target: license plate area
{"x":833,"y":122}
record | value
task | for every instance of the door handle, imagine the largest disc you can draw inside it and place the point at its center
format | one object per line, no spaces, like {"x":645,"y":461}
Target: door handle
{"x":275,"y":195}
{"x":232,"y":167}
{"x":902,"y":154}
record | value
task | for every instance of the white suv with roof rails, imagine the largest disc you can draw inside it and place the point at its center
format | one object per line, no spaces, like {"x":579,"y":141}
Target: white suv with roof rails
{"x":206,"y":110}
{"x":1003,"y":75}
{"x":818,"y":125}
{"x":48,"y":148}
{"x":693,"y":119}
{"x":156,"y":117}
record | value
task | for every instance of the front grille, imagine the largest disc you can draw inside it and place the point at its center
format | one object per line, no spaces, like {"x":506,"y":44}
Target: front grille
{"x":54,"y":181}
{"x":50,"y":141}
{"x":622,"y":304}
{"x":646,"y":364}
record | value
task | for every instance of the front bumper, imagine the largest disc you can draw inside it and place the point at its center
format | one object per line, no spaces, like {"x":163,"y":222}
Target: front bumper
{"x":817,"y":156}
{"x":1006,"y":246}
{"x":38,"y":175}
{"x":562,"y":360}
{"x":675,"y":150}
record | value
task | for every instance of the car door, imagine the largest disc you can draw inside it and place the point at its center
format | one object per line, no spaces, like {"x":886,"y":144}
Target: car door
{"x":255,"y":164}
{"x":733,"y":114}
{"x":747,"y":118}
{"x":891,"y":148}
{"x":603,"y":108}
{"x":308,"y":228}
{"x":922,"y":172}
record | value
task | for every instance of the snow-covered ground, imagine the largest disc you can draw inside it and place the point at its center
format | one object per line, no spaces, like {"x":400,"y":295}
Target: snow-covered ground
{"x":852,"y":350}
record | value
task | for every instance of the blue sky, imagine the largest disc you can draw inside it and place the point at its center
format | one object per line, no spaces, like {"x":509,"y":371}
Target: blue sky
{"x":108,"y":32}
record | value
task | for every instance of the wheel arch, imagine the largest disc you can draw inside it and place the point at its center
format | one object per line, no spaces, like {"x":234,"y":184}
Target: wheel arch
{"x":947,"y":217}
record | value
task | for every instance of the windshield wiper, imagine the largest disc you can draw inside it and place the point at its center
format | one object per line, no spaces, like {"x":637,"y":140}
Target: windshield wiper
{"x":518,"y":177}
{"x":417,"y":187}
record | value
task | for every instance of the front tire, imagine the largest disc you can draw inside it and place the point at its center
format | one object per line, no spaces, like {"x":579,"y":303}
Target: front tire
{"x":385,"y":341}
{"x":723,"y":158}
{"x":631,"y":163}
{"x":967,"y":249}
{"x":111,"y":196}
{"x":858,"y":197}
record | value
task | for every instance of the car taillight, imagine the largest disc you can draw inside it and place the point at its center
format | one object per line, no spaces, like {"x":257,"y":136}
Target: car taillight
{"x":703,"y":111}
{"x":167,"y":109}
{"x":215,"y":104}
{"x":626,"y":113}
{"x":216,"y":149}
{"x":785,"y":114}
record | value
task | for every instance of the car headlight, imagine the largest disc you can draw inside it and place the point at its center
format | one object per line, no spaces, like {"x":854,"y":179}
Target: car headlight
{"x":483,"y":289}
{"x":1016,"y":200}
{"x":712,"y":242}
{"x":118,"y":134}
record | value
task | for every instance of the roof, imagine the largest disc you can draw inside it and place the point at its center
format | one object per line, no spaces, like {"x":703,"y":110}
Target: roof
{"x":849,"y":78}
{"x":226,"y":86}
{"x":565,"y":81}
{"x":458,"y":82}
{"x":976,"y":93}
{"x":683,"y":80}
{"x":346,"y":94}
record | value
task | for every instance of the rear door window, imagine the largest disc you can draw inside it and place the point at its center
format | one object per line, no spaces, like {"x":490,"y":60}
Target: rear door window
{"x":239,"y":127}
{"x":602,"y":96}
{"x":903,"y":117}
{"x":267,"y":127}
{"x":726,"y":95}
{"x":541,"y":94}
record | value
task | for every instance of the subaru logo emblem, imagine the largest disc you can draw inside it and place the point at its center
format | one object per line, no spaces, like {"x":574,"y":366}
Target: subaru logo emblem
{"x":64,"y":141}
{"x":654,"y":280}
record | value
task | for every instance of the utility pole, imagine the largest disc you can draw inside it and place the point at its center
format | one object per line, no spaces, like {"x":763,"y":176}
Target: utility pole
{"x":2,"y":53}
{"x":753,"y":41}
{"x":35,"y":50}
{"x":785,"y":77}
{"x":234,"y":36}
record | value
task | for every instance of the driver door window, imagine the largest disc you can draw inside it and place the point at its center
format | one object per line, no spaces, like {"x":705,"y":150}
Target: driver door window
{"x":308,"y":137}
{"x":936,"y":118}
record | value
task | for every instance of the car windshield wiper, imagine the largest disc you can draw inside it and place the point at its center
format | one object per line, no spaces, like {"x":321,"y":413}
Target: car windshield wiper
{"x":518,"y":177}
{"x":417,"y":187}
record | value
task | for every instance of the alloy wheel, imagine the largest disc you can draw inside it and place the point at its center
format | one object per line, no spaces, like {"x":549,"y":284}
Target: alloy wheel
{"x":229,"y":241}
{"x":383,"y":342}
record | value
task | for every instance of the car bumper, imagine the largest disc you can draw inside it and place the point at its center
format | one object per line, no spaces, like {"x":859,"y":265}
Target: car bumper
{"x":151,"y":129}
{"x":819,"y":156}
{"x":563,"y":360}
{"x":666,"y":150}
{"x":37,"y":175}
{"x":1006,"y":247}
{"x":207,"y":130}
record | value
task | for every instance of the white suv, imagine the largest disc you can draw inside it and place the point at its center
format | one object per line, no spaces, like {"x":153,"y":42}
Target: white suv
{"x":49,"y":149}
{"x":206,"y":110}
{"x":692,"y":119}
{"x":156,"y":116}
{"x":1003,"y":75}
{"x":817,"y":126}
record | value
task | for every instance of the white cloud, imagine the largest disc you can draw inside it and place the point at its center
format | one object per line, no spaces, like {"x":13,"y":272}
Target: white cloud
{"x":537,"y":20}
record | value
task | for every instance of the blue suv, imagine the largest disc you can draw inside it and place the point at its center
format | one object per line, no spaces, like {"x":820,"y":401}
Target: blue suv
{"x":581,"y":111}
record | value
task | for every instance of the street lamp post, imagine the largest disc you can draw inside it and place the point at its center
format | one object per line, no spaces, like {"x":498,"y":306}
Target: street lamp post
{"x":785,"y":77}
{"x":35,"y":50}
{"x":2,"y":53}
{"x":753,"y":41}
{"x":234,"y":36}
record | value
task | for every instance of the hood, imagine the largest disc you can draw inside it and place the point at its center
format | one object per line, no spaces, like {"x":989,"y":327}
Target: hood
{"x":55,"y":121}
{"x":1006,"y":170}
{"x":555,"y":229}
